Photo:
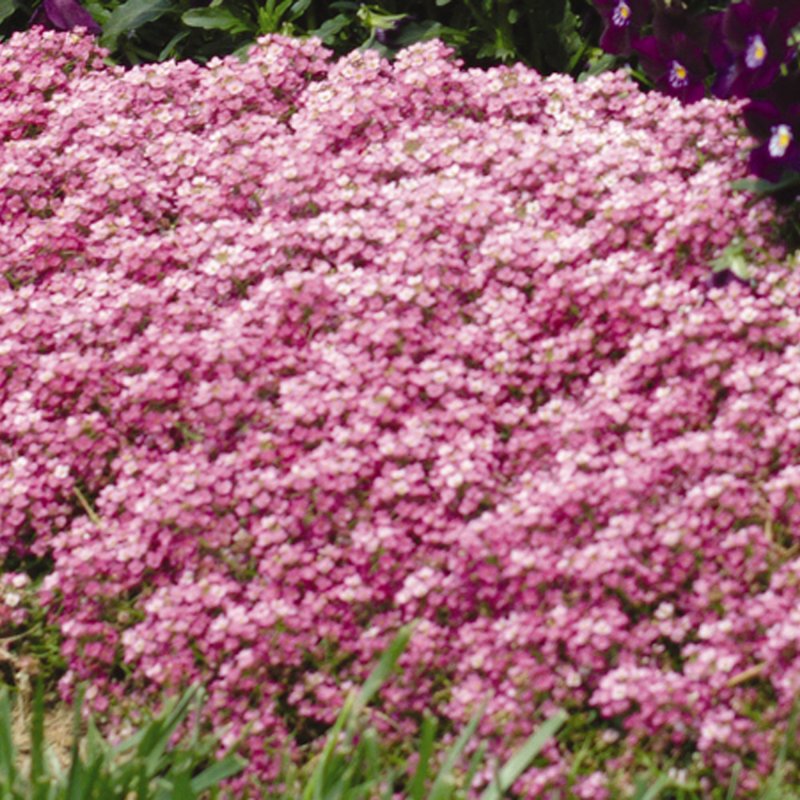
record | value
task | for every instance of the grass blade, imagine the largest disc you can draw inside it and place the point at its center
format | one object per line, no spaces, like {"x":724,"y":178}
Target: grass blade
{"x":313,"y":789}
{"x":317,"y":784}
{"x":159,"y":733}
{"x":383,"y":670}
{"x":76,"y":781}
{"x":8,"y":753}
{"x":443,"y":785}
{"x":426,"y":740}
{"x":225,"y":768}
{"x":474,"y":765}
{"x":731,"y":793}
{"x":521,"y":760}
{"x":653,"y":791}
{"x":38,"y":776}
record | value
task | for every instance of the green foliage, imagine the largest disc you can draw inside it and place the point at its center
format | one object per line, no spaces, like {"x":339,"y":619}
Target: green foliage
{"x":552,"y":36}
{"x":353,"y":765}
{"x":145,"y":766}
{"x":734,"y":257}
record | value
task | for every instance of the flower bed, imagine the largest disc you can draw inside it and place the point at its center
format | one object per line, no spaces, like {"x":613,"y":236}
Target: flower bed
{"x":295,"y":351}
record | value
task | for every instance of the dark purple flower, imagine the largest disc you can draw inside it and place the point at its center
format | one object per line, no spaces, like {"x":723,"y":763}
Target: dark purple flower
{"x":388,"y":36}
{"x":775,"y":121}
{"x":750,"y":44}
{"x":676,"y":66}
{"x":64,"y":15}
{"x":623,"y":20}
{"x":672,"y":18}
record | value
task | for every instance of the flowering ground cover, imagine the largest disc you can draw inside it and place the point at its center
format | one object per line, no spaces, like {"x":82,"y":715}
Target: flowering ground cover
{"x":297,"y":350}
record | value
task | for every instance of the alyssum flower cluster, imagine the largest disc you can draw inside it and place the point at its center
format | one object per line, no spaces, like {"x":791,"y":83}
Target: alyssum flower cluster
{"x":750,"y":50}
{"x":294,"y":351}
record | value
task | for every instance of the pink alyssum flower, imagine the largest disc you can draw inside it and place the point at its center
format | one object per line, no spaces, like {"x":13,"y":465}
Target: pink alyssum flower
{"x":292,"y":352}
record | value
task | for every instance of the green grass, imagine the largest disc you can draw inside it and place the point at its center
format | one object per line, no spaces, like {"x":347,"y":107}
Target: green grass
{"x":352,"y":763}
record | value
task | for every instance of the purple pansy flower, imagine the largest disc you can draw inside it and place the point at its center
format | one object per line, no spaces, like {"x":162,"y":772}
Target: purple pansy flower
{"x":676,"y":65}
{"x":775,"y":121}
{"x":672,"y":18}
{"x":64,"y":15}
{"x":750,"y":44}
{"x":623,"y":20}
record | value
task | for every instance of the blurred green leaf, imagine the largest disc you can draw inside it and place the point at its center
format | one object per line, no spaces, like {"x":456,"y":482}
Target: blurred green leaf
{"x":170,"y":49}
{"x":220,"y":18}
{"x":734,"y":784}
{"x":734,"y":258}
{"x":598,"y":62}
{"x":475,"y":764}
{"x":420,"y":32}
{"x":521,"y":760}
{"x":443,"y":784}
{"x":131,"y":15}
{"x":299,"y":8}
{"x":225,"y":768}
{"x":8,"y":753}
{"x":653,"y":791}
{"x":331,"y":28}
{"x":426,"y":741}
{"x":7,"y":8}
{"x":384,"y":669}
{"x":38,"y":775}
{"x":762,"y":187}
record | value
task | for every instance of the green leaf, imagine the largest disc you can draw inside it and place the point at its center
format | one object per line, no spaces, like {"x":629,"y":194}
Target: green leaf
{"x":598,"y":62}
{"x":443,"y":785}
{"x":220,"y":19}
{"x":225,"y":768}
{"x":158,"y":734}
{"x":38,"y":776}
{"x":734,"y":785}
{"x":417,"y":786}
{"x":315,"y":784}
{"x":8,"y":753}
{"x":384,"y":668}
{"x":299,"y":8}
{"x":75,"y":776}
{"x":132,"y":15}
{"x":243,"y":52}
{"x":331,"y":27}
{"x":330,"y":764}
{"x":762,"y":187}
{"x":170,"y":49}
{"x":521,"y":760}
{"x":7,"y":8}
{"x":180,"y":788}
{"x":475,"y":764}
{"x":654,"y":790}
{"x":415,"y":32}
{"x":733,"y":257}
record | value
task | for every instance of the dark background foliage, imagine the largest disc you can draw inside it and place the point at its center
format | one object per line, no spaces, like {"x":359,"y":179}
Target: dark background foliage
{"x":551,"y":36}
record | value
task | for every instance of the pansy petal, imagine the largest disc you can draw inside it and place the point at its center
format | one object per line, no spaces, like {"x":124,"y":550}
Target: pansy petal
{"x":64,"y":15}
{"x":765,"y":166}
{"x":615,"y":40}
{"x":760,"y":116}
{"x":718,"y":52}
